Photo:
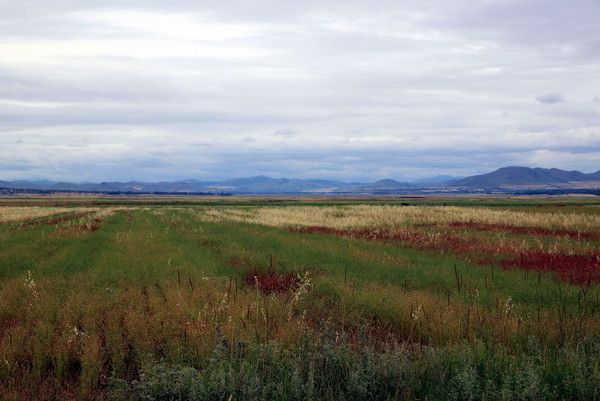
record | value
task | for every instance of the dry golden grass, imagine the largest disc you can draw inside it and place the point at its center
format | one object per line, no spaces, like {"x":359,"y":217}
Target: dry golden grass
{"x":365,"y":216}
{"x":91,"y":330}
{"x":417,"y":315}
{"x":87,"y":223}
{"x":47,"y":331}
{"x":12,"y":213}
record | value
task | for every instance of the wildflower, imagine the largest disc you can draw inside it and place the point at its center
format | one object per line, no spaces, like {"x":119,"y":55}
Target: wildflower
{"x":223,"y":305}
{"x":417,"y":314}
{"x":29,"y":281}
{"x":31,"y":285}
{"x":74,"y":333}
{"x":508,"y":305}
{"x":179,"y":298}
{"x":303,"y":287}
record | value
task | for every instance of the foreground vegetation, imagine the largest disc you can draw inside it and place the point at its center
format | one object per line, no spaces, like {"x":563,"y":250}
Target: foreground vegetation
{"x":346,"y":301}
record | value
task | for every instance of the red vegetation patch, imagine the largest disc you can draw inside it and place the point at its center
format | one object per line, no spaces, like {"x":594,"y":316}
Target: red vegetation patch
{"x":573,"y":234}
{"x":571,"y":268}
{"x":579,"y":269}
{"x":411,"y":237}
{"x":8,"y":323}
{"x":272,"y":282}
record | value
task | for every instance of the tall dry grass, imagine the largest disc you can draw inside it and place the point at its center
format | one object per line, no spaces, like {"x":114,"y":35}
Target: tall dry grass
{"x":437,"y":319}
{"x":13,"y":213}
{"x":51,"y":338}
{"x":52,"y":333}
{"x":365,"y":216}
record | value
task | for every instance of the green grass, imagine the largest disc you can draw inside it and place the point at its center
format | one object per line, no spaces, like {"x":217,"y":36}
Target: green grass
{"x":382,"y":263}
{"x":151,"y":291}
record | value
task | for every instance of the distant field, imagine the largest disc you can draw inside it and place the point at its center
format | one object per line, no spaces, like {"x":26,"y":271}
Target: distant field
{"x":254,"y":298}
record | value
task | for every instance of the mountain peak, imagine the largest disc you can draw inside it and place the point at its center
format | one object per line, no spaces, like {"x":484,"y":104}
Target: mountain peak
{"x":514,"y":176}
{"x":387,"y":182}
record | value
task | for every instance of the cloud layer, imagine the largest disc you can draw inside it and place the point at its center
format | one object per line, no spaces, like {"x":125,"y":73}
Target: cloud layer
{"x":154,"y":90}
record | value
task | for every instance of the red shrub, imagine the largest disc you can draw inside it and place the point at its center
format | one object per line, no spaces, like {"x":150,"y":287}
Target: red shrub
{"x":272,"y":282}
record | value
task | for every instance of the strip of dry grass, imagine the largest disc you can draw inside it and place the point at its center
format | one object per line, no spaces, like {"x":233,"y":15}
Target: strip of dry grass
{"x":86,"y":224}
{"x":393,"y":216}
{"x":17,"y":214}
{"x":9,"y":214}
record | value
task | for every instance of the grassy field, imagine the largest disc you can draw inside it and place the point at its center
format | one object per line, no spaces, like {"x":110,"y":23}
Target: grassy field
{"x":297,"y":299}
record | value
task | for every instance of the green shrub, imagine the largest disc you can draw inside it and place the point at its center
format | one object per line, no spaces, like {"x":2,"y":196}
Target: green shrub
{"x":333,"y":368}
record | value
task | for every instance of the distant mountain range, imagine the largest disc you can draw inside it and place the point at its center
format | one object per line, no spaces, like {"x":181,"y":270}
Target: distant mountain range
{"x":515,"y":177}
{"x":249,"y":185}
{"x":506,"y":179}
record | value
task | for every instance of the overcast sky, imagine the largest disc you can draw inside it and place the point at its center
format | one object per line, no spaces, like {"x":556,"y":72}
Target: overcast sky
{"x":150,"y":90}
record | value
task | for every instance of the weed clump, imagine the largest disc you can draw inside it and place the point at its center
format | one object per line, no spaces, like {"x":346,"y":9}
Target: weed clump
{"x":272,"y":282}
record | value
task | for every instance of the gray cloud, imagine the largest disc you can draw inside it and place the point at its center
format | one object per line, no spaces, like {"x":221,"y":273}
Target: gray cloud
{"x":341,"y":89}
{"x":550,"y":98}
{"x":285,"y":133}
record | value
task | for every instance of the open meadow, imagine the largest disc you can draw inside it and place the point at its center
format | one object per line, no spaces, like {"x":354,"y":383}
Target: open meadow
{"x":229,"y":298}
